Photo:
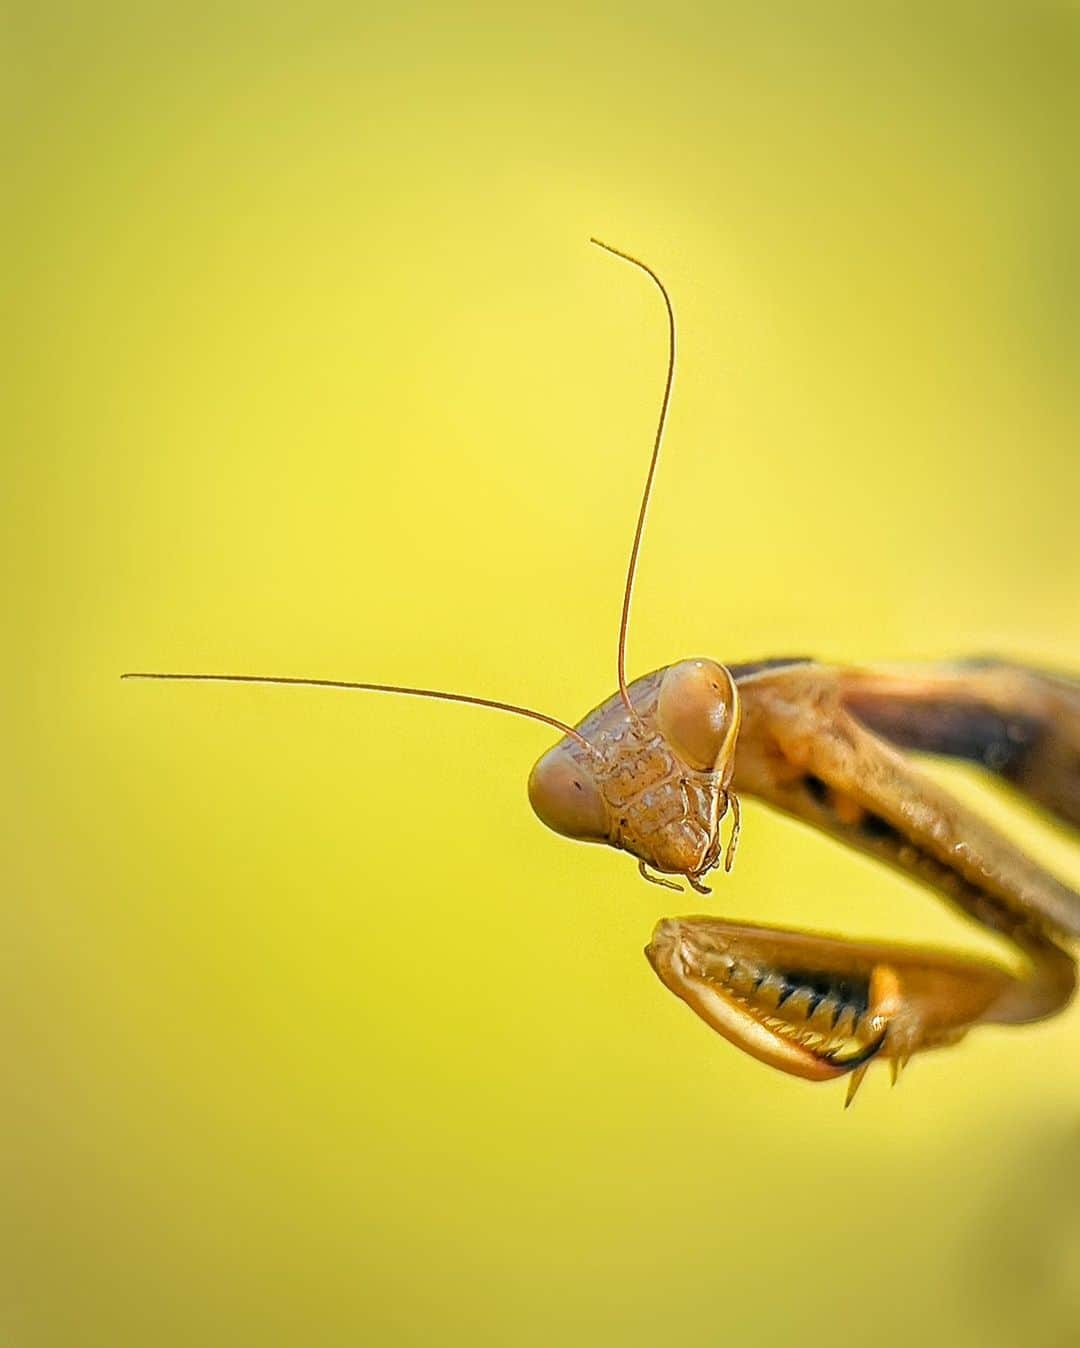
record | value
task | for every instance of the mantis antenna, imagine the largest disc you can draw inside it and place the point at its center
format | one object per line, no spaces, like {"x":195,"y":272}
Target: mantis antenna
{"x":435,"y":693}
{"x":669,"y":380}
{"x":514,"y":709}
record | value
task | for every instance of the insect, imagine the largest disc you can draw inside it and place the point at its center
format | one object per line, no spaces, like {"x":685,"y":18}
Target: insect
{"x":658,"y":768}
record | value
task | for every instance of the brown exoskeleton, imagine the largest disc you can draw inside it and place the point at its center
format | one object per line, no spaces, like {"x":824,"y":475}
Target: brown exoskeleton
{"x":655,"y":770}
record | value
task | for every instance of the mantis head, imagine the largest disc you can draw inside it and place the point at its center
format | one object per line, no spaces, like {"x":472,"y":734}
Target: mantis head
{"x":649,"y":776}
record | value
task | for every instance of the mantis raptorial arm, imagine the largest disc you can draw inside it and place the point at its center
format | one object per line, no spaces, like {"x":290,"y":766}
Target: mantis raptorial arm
{"x":818,"y":1006}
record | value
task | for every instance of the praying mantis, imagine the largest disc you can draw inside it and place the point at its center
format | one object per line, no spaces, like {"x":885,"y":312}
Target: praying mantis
{"x":658,"y":768}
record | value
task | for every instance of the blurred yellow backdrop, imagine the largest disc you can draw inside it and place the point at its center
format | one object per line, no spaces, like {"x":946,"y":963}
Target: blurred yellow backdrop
{"x":312,"y":1034}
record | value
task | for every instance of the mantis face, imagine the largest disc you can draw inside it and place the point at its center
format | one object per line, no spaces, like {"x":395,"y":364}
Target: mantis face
{"x":651,"y":779}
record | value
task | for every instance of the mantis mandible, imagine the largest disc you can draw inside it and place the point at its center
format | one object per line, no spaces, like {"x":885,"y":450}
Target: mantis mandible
{"x":657,"y":769}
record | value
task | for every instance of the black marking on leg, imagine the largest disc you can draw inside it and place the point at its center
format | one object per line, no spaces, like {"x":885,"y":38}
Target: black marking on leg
{"x":788,"y":990}
{"x":880,"y":830}
{"x":957,"y":728}
{"x":853,"y":993}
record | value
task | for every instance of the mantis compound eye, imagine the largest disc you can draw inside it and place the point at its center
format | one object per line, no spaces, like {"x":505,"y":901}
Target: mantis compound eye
{"x":566,"y":798}
{"x":698,"y":713}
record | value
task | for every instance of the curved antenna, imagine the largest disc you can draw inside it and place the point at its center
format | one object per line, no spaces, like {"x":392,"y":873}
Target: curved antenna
{"x":624,"y":622}
{"x":435,"y":693}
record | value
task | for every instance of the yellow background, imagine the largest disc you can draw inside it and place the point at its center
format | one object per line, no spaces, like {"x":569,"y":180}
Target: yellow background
{"x":311,"y":1034}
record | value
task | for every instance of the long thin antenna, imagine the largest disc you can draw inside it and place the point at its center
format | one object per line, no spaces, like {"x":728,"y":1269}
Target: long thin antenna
{"x":632,"y":568}
{"x":374,"y":688}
